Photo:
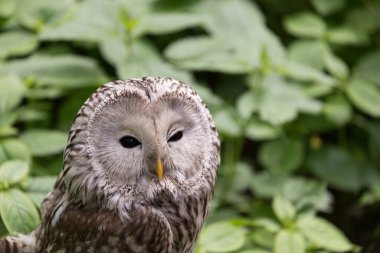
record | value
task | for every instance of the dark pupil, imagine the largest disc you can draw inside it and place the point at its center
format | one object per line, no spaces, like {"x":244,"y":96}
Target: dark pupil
{"x":129,"y":142}
{"x":175,"y":137}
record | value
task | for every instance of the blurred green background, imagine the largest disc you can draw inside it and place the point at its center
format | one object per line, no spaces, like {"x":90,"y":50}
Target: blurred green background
{"x":294,"y":88}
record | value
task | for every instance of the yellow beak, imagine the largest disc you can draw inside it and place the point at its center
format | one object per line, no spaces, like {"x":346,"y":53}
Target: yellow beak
{"x":159,"y":169}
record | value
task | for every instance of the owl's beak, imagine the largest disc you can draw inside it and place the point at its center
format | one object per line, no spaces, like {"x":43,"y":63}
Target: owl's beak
{"x":159,"y":169}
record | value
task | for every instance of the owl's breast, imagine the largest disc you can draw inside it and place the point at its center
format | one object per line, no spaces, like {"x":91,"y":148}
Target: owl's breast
{"x":99,"y":231}
{"x":186,"y":215}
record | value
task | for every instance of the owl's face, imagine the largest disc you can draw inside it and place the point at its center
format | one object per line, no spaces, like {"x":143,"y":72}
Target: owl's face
{"x":147,"y":134}
{"x":137,"y":138}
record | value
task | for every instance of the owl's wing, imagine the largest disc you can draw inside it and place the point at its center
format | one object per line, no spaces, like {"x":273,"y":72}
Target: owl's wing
{"x":78,"y":230}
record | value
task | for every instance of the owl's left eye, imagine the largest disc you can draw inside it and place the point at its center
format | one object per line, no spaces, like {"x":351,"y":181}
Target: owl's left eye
{"x":177,"y":136}
{"x":129,"y":142}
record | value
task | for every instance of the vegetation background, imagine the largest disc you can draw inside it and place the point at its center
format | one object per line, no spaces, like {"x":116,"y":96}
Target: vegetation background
{"x":294,"y":87}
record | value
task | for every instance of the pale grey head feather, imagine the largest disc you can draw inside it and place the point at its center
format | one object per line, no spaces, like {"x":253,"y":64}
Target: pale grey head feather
{"x":98,"y":170}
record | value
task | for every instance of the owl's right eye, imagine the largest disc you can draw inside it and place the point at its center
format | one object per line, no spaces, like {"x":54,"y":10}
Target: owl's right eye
{"x":129,"y":142}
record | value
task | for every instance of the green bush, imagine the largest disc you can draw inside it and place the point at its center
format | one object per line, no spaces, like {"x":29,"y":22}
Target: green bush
{"x":294,"y":88}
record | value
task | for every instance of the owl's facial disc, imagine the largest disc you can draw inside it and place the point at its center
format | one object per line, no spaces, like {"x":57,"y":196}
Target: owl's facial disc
{"x":144,"y":140}
{"x":134,"y":139}
{"x":181,"y":134}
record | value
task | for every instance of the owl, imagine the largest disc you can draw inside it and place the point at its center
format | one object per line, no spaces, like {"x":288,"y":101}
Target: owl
{"x":138,"y":175}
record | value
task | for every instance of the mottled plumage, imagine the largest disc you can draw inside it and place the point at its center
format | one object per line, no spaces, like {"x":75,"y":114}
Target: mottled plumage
{"x":110,"y":196}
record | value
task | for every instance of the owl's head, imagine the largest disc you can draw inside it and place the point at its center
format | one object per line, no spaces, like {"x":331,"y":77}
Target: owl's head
{"x":136,"y":137}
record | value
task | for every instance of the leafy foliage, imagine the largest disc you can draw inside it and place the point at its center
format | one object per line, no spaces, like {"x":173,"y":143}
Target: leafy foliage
{"x":294,"y":93}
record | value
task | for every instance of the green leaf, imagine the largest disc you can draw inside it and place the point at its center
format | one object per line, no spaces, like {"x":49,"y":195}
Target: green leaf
{"x":247,"y":104}
{"x":78,"y":25}
{"x":289,"y":242}
{"x":17,"y":43}
{"x":43,"y":142}
{"x":44,"y":93}
{"x":326,"y":7}
{"x":7,"y":7}
{"x":367,"y":67}
{"x":306,"y":194}
{"x":161,"y":23}
{"x":63,"y":71}
{"x":345,"y":36}
{"x":13,"y":171}
{"x":267,"y":224}
{"x":211,"y":99}
{"x":38,"y":187}
{"x":244,"y":25}
{"x":191,"y":48}
{"x":300,"y":191}
{"x":337,"y":167}
{"x":316,"y":89}
{"x":308,"y":60}
{"x":238,"y":186}
{"x":226,"y":123}
{"x":221,"y":237}
{"x":365,"y":95}
{"x":274,"y":99}
{"x":40,"y":184}
{"x":231,"y":16}
{"x":305,"y":24}
{"x":142,"y":59}
{"x":28,"y":114}
{"x":11,"y":92}
{"x":205,"y":53}
{"x":371,"y":196}
{"x":115,"y":51}
{"x":283,"y":209}
{"x":255,"y":251}
{"x":239,"y":25}
{"x":6,"y":121}
{"x":305,"y":73}
{"x":335,"y":65}
{"x":258,"y":130}
{"x":36,"y":14}
{"x":6,"y":131}
{"x":16,"y":149}
{"x":281,"y":101}
{"x":323,"y":234}
{"x":337,"y":109}
{"x":308,"y":53}
{"x":3,"y":155}
{"x":263,"y":238}
{"x":36,"y":197}
{"x":18,"y":212}
{"x":282,"y":156}
{"x":267,"y":185}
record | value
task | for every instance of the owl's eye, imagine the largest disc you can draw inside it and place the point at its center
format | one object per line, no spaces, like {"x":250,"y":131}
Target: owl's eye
{"x":177,"y":136}
{"x":129,"y":142}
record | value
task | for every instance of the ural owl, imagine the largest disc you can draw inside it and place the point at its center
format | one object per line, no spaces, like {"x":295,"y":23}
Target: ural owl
{"x":138,"y":175}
